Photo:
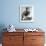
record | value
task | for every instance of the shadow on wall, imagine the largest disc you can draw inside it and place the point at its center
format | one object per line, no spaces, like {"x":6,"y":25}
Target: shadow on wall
{"x":2,"y":26}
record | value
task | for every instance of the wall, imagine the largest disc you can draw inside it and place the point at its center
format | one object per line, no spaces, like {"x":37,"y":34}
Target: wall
{"x":9,"y":13}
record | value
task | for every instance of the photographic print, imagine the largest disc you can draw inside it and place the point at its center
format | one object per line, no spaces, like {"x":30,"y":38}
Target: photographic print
{"x":26,"y":13}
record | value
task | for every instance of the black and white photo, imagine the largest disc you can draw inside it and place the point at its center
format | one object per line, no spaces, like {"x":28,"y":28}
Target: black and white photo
{"x":26,"y":13}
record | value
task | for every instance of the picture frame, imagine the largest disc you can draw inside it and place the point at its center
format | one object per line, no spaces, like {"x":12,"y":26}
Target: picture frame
{"x":26,"y":13}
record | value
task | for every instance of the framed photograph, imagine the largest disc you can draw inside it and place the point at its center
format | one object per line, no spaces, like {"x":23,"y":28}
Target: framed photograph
{"x":26,"y":13}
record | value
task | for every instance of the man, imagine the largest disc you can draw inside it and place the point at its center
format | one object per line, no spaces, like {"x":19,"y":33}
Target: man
{"x":26,"y":13}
